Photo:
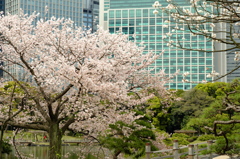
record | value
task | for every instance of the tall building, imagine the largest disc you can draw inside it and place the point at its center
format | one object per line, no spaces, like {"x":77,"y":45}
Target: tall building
{"x":136,"y":18}
{"x":2,"y":9}
{"x":72,"y":9}
{"x":69,"y":9}
{"x":231,"y":63}
{"x":91,"y":14}
{"x":2,"y":5}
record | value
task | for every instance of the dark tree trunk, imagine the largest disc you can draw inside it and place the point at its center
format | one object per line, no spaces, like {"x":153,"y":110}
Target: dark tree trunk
{"x":226,"y":148}
{"x":1,"y":143}
{"x":116,"y":153}
{"x":55,"y":137}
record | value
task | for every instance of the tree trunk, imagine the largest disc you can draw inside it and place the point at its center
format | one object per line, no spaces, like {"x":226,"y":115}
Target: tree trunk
{"x":116,"y":153}
{"x":55,"y":137}
{"x":3,"y":127}
{"x":1,"y":142}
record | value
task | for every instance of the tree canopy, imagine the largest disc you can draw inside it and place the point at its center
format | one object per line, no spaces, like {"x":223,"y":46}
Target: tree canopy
{"x":81,"y":80}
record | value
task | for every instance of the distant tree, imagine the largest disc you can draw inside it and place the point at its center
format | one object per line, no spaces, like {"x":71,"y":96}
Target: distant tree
{"x":193,"y":102}
{"x":213,"y":89}
{"x":159,"y":110}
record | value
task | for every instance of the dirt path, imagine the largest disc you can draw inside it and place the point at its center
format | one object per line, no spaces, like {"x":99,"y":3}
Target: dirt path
{"x":222,"y":157}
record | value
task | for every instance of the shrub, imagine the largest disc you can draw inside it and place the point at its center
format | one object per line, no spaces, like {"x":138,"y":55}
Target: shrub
{"x":220,"y":146}
{"x":182,"y":139}
{"x":6,"y":147}
{"x":206,"y":137}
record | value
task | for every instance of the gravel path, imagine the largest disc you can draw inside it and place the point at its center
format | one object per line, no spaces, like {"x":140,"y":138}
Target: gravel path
{"x":222,"y":157}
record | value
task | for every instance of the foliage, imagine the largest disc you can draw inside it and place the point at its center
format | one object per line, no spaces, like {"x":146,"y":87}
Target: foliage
{"x":76,"y":79}
{"x":160,"y":111}
{"x":213,"y":89}
{"x":190,"y":107}
{"x":193,"y":101}
{"x":220,"y":146}
{"x":129,"y":139}
{"x":6,"y":147}
{"x":206,"y":137}
{"x":221,"y":117}
{"x":182,"y":139}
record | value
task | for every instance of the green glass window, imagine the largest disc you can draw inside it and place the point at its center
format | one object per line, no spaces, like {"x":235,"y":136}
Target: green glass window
{"x":159,"y":21}
{"x":145,"y":30}
{"x":187,"y":61}
{"x":145,"y":21}
{"x":111,"y":23}
{"x":125,"y":13}
{"x":131,"y":30}
{"x":152,"y":29}
{"x":194,"y":61}
{"x":208,"y":61}
{"x":118,"y":22}
{"x":201,"y":61}
{"x":165,"y":61}
{"x":152,"y":21}
{"x":125,"y":30}
{"x":145,"y":12}
{"x":194,"y":54}
{"x":131,"y":22}
{"x":138,"y":13}
{"x":138,"y":21}
{"x":172,"y":61}
{"x":125,"y":22}
{"x":201,"y":69}
{"x":131,"y":13}
{"x":118,"y":13}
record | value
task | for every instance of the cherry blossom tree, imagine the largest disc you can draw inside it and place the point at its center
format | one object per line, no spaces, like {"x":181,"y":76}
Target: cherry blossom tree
{"x":11,"y":97}
{"x":80,"y":80}
{"x":215,"y":20}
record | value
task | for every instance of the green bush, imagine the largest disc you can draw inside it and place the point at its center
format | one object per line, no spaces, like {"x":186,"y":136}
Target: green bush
{"x":193,"y":138}
{"x":6,"y":147}
{"x":220,"y":146}
{"x":206,"y":137}
{"x":182,"y":139}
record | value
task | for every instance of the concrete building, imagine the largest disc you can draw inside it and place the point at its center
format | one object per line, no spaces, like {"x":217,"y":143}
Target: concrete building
{"x":136,"y":18}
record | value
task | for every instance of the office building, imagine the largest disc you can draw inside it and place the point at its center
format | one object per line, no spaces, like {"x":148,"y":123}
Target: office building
{"x":91,"y":14}
{"x":2,"y":5}
{"x":69,"y":9}
{"x":72,"y":9}
{"x":136,"y":18}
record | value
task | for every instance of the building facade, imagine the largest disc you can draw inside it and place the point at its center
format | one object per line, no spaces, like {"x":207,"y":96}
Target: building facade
{"x":72,"y":9}
{"x":68,"y":9}
{"x":2,"y":5}
{"x":136,"y":17}
{"x":91,"y":14}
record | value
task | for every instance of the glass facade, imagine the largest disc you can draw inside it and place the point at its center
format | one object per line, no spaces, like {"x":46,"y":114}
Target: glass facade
{"x":137,"y":18}
{"x":69,"y":9}
{"x":91,"y":14}
{"x":2,"y":5}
